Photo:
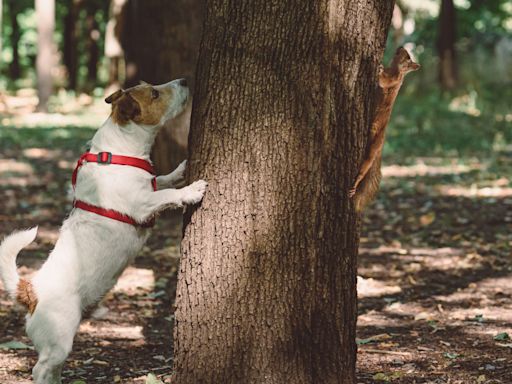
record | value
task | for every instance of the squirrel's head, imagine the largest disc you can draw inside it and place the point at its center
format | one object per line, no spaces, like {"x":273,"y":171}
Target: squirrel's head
{"x":404,"y":62}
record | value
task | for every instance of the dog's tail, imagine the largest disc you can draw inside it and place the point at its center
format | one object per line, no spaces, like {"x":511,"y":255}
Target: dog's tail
{"x":20,"y":289}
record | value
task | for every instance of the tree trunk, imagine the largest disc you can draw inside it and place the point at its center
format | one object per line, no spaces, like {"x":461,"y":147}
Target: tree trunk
{"x":45,"y":14}
{"x":113,"y":49}
{"x":93,"y":51}
{"x":14,"y":66}
{"x":173,"y":29}
{"x":70,"y":36}
{"x":446,"y":45}
{"x":284,"y":100}
{"x":1,"y":35}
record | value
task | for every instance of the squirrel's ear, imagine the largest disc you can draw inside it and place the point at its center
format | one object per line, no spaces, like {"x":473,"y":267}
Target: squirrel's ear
{"x":113,"y":97}
{"x":142,"y":82}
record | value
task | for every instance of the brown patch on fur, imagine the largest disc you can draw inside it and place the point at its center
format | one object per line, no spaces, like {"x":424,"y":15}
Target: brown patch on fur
{"x":124,"y":109}
{"x":368,"y":179}
{"x":26,"y":295}
{"x":139,"y":105}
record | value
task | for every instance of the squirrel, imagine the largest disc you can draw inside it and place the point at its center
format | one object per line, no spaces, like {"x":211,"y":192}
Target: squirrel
{"x":368,"y":178}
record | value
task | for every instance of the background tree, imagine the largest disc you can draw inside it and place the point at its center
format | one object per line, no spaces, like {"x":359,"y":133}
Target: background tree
{"x":14,"y":66}
{"x":113,"y":50}
{"x":1,"y":32}
{"x":267,"y":284}
{"x":45,"y":11}
{"x":70,"y":42}
{"x":446,"y":45}
{"x":175,"y":34}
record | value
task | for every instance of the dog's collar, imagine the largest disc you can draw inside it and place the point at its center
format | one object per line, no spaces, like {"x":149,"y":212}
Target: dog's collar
{"x":106,"y":158}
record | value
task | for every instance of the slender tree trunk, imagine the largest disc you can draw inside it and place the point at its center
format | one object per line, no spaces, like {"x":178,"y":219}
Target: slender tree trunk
{"x":93,"y":51}
{"x":397,"y":21}
{"x":1,"y":35}
{"x":173,"y":29}
{"x":70,"y":51}
{"x":45,"y":13}
{"x":284,"y":98}
{"x":70,"y":35}
{"x":446,"y":45}
{"x":14,"y":66}
{"x":113,"y":49}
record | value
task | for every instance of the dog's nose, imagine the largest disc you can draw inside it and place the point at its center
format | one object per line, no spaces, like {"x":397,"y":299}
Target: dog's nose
{"x":182,"y":82}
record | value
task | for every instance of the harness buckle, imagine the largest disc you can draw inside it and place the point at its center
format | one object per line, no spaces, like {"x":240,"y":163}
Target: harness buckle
{"x":104,"y":158}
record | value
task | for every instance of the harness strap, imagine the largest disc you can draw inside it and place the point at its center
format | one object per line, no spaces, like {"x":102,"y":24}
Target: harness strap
{"x":111,"y":214}
{"x":107,"y":158}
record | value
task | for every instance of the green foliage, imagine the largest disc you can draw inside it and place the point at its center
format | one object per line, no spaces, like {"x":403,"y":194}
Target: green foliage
{"x":476,"y":118}
{"x":27,"y":46}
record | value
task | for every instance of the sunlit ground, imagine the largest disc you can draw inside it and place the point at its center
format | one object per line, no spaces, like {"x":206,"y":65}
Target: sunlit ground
{"x":435,"y":263}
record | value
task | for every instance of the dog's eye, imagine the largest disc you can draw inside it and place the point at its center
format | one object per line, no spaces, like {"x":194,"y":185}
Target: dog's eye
{"x":154,"y":94}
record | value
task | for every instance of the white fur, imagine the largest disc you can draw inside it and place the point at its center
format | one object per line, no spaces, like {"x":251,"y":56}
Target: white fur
{"x":92,"y":251}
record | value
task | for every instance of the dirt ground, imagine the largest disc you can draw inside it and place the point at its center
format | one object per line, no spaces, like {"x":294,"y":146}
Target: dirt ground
{"x":435,"y":266}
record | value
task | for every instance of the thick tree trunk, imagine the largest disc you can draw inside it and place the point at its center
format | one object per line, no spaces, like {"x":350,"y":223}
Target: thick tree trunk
{"x":446,"y":45}
{"x":70,"y":36}
{"x":14,"y":66}
{"x":173,"y":29}
{"x":284,"y":98}
{"x":45,"y":13}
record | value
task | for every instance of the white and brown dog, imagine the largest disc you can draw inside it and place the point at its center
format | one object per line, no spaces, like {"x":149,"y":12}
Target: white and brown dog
{"x":115,"y":199}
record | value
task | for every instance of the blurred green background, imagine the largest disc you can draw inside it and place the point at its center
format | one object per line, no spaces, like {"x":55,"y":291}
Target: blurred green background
{"x":467,"y":114}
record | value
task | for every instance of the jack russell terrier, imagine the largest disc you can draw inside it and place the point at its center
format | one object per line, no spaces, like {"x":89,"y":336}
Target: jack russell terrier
{"x":116,"y":198}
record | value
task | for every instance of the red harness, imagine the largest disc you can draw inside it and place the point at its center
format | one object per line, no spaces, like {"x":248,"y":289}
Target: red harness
{"x":106,"y":158}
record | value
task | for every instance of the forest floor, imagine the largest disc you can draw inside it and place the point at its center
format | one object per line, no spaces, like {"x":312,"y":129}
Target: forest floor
{"x":435,"y":267}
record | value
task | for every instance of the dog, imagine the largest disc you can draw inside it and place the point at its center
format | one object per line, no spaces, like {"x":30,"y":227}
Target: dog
{"x":116,"y":198}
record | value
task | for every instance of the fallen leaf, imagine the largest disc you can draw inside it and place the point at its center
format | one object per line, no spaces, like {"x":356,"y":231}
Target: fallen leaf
{"x":503,"y":336}
{"x":15,"y":345}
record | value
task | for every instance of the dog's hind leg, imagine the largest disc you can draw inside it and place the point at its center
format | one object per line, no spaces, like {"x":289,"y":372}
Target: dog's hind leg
{"x":52,"y":331}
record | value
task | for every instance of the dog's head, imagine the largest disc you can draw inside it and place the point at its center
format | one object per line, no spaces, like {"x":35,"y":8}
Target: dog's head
{"x":149,"y":105}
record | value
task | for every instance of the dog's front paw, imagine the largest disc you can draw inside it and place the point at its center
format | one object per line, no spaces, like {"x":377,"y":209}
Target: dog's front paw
{"x":194,"y":192}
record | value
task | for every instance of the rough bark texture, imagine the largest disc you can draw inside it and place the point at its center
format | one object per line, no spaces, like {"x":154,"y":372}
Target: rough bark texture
{"x":45,"y":13}
{"x":173,"y":29}
{"x":284,"y":98}
{"x":446,"y":45}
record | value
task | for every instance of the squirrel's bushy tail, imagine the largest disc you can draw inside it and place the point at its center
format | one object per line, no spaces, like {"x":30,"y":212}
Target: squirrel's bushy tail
{"x":19,"y":289}
{"x":368,"y":188}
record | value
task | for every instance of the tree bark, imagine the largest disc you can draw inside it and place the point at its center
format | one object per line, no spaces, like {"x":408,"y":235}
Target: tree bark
{"x":70,"y":46}
{"x":45,"y":13}
{"x":284,"y":100}
{"x":1,"y":35}
{"x":446,"y":45}
{"x":113,"y":49}
{"x":14,"y":66}
{"x":93,"y":50}
{"x":173,"y":29}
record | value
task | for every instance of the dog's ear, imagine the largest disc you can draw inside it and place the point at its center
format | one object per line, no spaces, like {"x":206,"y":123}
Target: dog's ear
{"x":124,"y":109}
{"x":113,"y":97}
